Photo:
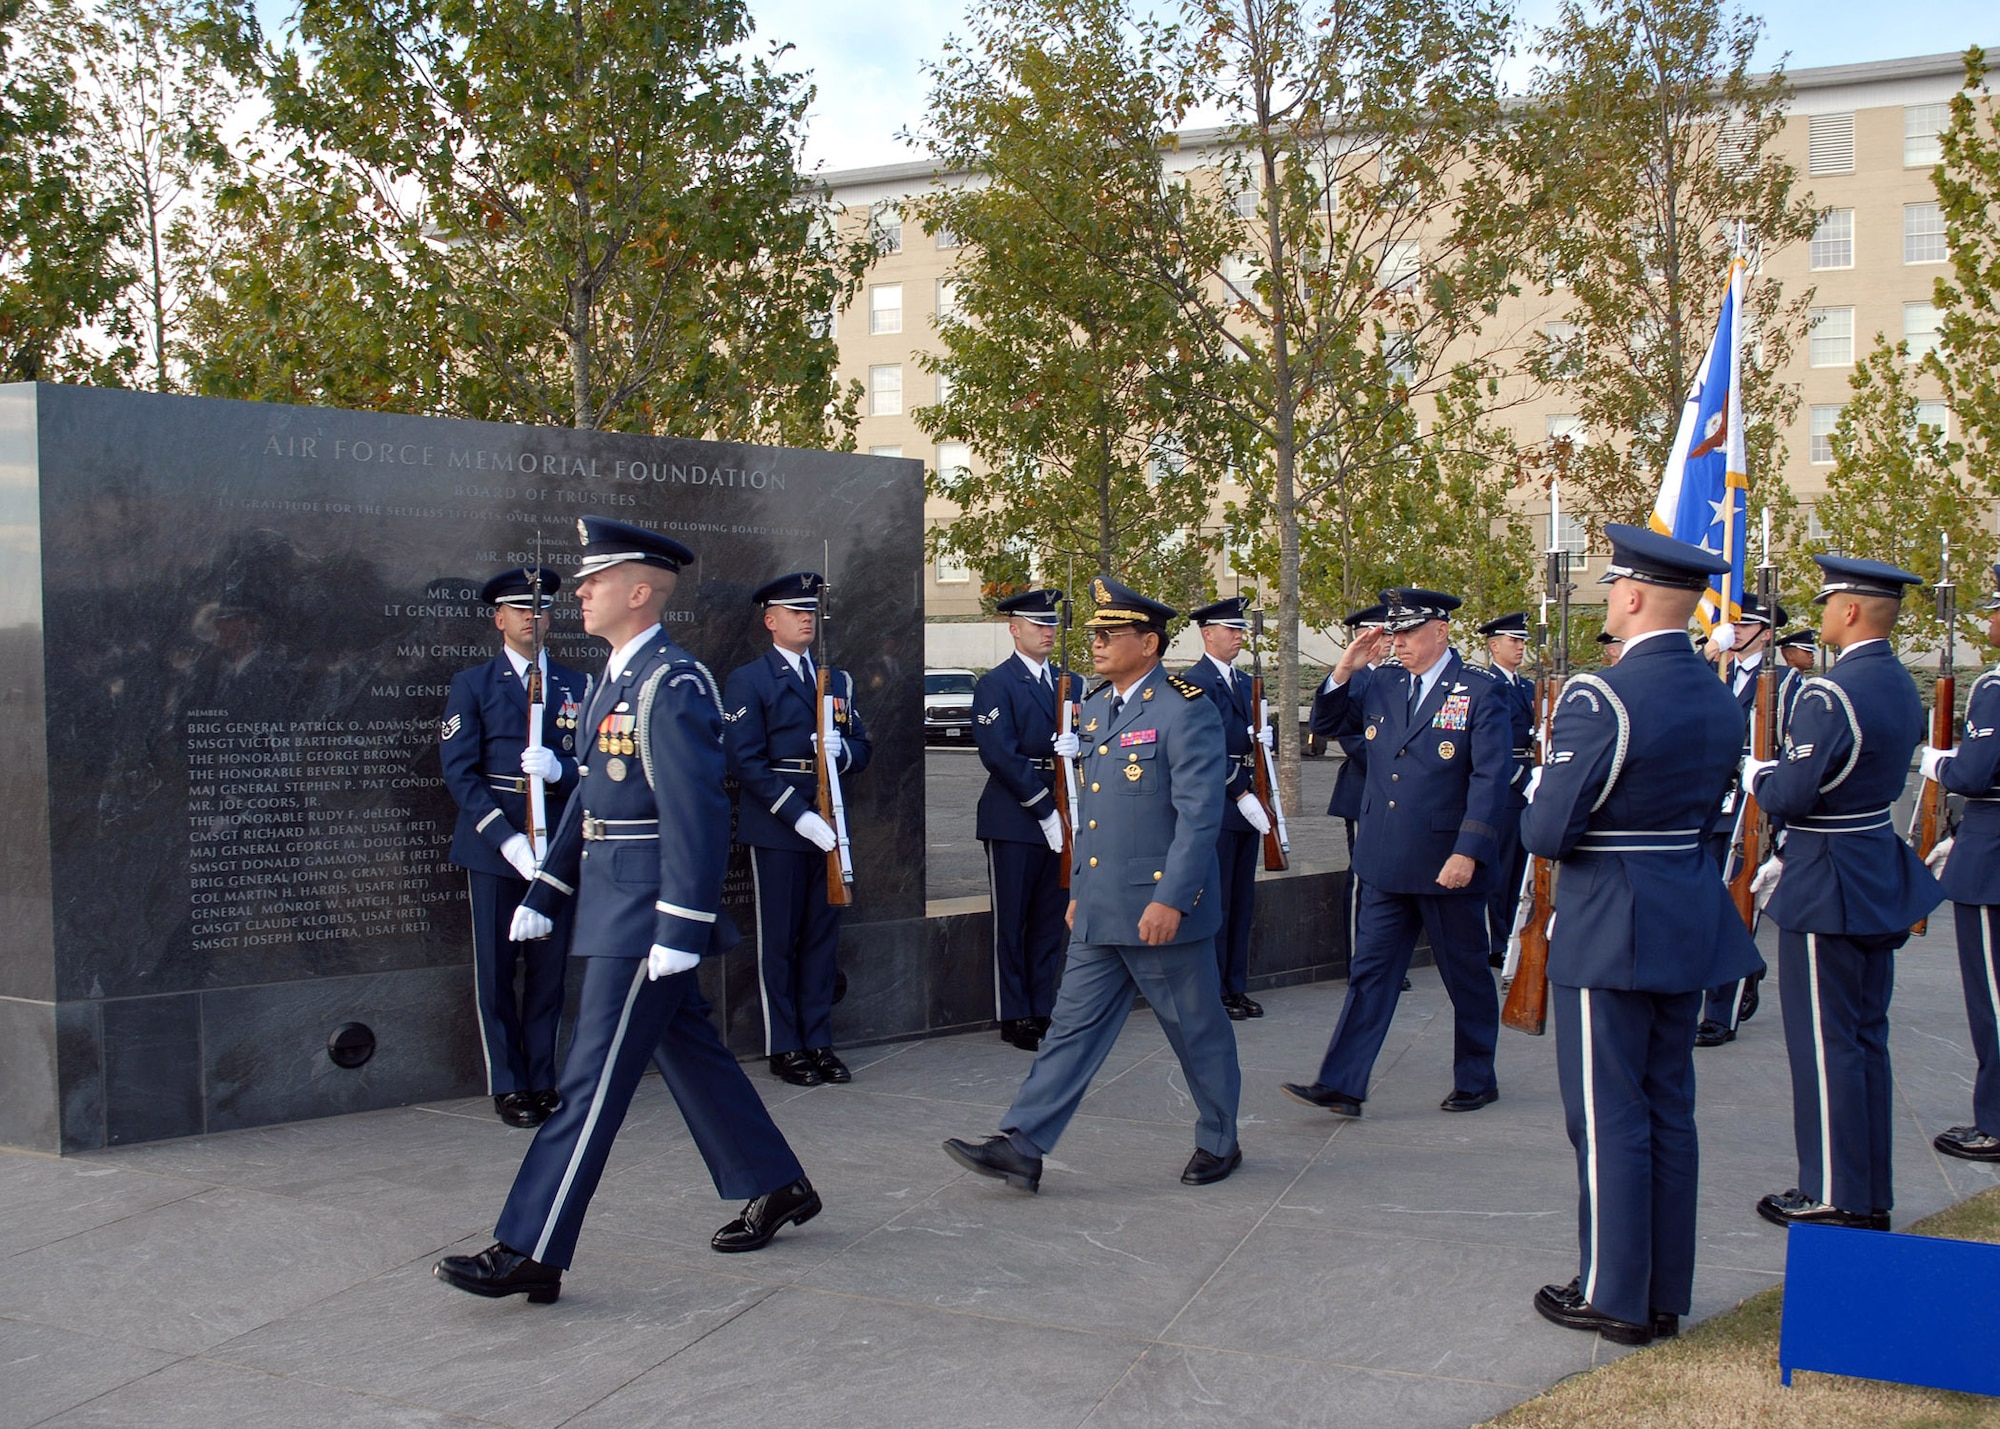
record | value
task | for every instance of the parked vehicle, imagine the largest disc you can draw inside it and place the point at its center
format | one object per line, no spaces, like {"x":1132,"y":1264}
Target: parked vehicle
{"x":948,"y":706}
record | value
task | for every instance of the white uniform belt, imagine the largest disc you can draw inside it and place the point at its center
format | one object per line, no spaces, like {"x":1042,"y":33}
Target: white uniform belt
{"x":795,"y":766}
{"x":1860,"y":823}
{"x":596,"y":830}
{"x":1638,"y":841}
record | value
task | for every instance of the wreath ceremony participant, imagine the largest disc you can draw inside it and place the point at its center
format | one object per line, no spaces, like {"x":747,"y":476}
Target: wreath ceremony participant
{"x":1506,"y":646}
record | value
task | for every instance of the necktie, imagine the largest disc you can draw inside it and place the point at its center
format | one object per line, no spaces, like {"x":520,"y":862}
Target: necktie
{"x":1416,"y":695}
{"x":1048,"y":681}
{"x":1117,"y":704}
{"x":806,"y":671}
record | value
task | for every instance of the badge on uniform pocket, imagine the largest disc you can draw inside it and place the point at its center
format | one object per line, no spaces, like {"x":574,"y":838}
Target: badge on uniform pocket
{"x":1368,"y":733}
{"x":614,"y":769}
{"x":1446,"y":749}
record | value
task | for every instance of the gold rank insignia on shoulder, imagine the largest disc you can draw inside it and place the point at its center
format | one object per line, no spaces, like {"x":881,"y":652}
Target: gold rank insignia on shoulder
{"x":1188,"y":689}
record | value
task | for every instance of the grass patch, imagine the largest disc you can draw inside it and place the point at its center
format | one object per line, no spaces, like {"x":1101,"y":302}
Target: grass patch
{"x":1724,"y":1372}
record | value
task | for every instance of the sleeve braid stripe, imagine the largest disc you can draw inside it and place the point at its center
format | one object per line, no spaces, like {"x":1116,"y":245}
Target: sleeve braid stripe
{"x":1818,"y":682}
{"x":1624,"y":741}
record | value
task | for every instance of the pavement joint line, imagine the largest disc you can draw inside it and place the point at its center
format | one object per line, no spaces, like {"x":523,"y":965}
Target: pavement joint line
{"x":117,"y":1220}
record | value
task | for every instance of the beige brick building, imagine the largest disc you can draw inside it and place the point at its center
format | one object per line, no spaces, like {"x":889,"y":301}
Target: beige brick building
{"x":1862,"y":138}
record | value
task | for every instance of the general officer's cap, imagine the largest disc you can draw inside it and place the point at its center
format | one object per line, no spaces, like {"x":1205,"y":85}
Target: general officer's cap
{"x":1754,"y":612}
{"x":1992,"y":602}
{"x":1844,"y":575}
{"x":1037,"y":607}
{"x":1366,"y":618}
{"x":608,"y":543}
{"x":1801,"y":640}
{"x":1513,"y":624}
{"x":1229,"y":613}
{"x":1118,"y":607}
{"x":516,"y":587}
{"x":1409,"y":607}
{"x":798,"y":591}
{"x":1638,"y":554}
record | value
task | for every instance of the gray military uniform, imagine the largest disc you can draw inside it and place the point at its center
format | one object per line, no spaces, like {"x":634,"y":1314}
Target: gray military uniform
{"x":1150,"y":807}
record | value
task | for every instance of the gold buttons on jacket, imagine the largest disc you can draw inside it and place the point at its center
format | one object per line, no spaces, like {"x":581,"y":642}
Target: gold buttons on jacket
{"x":1093,"y":788}
{"x":1157,"y":875}
{"x":1392,"y":803}
{"x":1093,"y":823}
{"x":1103,"y":749}
{"x":1093,"y":863}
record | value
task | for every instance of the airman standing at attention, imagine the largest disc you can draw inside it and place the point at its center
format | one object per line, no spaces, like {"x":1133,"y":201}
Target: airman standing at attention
{"x":1506,"y":646}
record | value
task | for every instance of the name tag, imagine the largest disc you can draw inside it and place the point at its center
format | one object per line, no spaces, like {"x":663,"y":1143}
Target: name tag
{"x":1454,"y":713}
{"x":1138,"y":736}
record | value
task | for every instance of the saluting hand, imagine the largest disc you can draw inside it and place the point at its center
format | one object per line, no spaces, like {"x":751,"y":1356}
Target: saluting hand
{"x":1360,"y":651}
{"x":1457,"y":870}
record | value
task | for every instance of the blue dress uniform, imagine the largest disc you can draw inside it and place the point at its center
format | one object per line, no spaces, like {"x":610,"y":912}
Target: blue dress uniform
{"x":1015,"y":724}
{"x":1846,"y":898}
{"x":772,"y":720}
{"x":1438,"y":778}
{"x":1512,"y":862}
{"x":1152,"y":768}
{"x":640,"y":854}
{"x":1971,"y":880}
{"x":1238,"y":845}
{"x":1792,"y":681}
{"x":1640,"y":755}
{"x":480,"y":740}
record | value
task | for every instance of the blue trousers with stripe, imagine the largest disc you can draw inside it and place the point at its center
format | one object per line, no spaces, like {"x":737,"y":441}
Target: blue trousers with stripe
{"x":1979,"y":966}
{"x":623,"y":1021}
{"x":798,"y":937}
{"x":1625,"y":1062}
{"x":1028,"y":931}
{"x":1835,"y":992}
{"x":516,"y":1035}
{"x":1236,"y":852}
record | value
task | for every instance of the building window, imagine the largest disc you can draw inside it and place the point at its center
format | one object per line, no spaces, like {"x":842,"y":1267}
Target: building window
{"x":1815,"y":528}
{"x":885,"y":308}
{"x":1935,"y":415}
{"x":1831,"y":337}
{"x":952,"y":571}
{"x":1833,"y":241}
{"x":1734,"y":144}
{"x":1920,"y":329}
{"x":1399,"y":355}
{"x":1401,"y":263}
{"x":1923,"y":233}
{"x":885,"y":390}
{"x":1819,"y":434}
{"x":1239,"y":277}
{"x":886,"y":451}
{"x":946,"y":239}
{"x":943,"y":388}
{"x":1922,"y":123}
{"x":954,"y":461}
{"x":885,"y":226}
{"x":1565,"y":429}
{"x":1830,"y":144}
{"x":947,"y":298}
{"x":1568,"y":534}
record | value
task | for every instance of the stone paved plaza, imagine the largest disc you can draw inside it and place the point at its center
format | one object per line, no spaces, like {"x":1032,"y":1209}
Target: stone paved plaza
{"x":1362,"y":1273}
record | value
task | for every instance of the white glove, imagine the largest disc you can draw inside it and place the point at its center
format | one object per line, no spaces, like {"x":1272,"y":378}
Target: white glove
{"x":1267,"y":736}
{"x":541,"y":763}
{"x":1724,"y":637}
{"x":1068,"y":746}
{"x":1765,"y":883}
{"x":816,"y":831}
{"x":1052,"y":831}
{"x":1534,"y":783}
{"x":665,"y":962}
{"x":1935,"y":759}
{"x":834,"y":744}
{"x":519,"y":852}
{"x":529,"y":926}
{"x":1252,"y":809}
{"x":1755,"y":769}
{"x":1935,"y":863}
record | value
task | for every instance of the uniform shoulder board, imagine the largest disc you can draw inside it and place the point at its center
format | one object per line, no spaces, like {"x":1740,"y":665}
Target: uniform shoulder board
{"x":1097,"y":690}
{"x":1188,"y":688}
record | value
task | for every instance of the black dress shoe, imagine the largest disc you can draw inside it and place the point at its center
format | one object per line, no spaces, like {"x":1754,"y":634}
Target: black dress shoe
{"x":1747,"y":1007}
{"x":1712,"y":1034}
{"x":1042,"y":1025}
{"x":1205,"y":1168}
{"x":1496,"y":960}
{"x":1666,"y":1324}
{"x":764,"y":1217}
{"x":519,"y":1109}
{"x":1251,"y":1007}
{"x":831,"y":1068}
{"x":996,"y":1157}
{"x":1968,"y":1143}
{"x":1469,"y":1101}
{"x":798,"y":1068}
{"x":1794,"y":1208}
{"x":548,"y":1101}
{"x":1233,"y":1005}
{"x":1406,"y":984}
{"x":497,"y":1271}
{"x":1565,"y":1305}
{"x":1020,"y":1032}
{"x":1325,"y":1098}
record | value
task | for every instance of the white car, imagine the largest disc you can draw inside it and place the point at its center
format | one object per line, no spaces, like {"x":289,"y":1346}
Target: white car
{"x":948,"y":706}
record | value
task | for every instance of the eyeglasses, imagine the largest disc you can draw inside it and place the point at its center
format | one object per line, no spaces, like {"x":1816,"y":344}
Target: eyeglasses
{"x":1105,"y":637}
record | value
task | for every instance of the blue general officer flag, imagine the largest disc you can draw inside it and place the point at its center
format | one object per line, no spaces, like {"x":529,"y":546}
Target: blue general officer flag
{"x":1704,"y":498}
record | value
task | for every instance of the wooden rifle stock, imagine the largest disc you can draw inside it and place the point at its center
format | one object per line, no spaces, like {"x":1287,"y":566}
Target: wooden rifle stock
{"x":1062,"y":782}
{"x":1930,"y":798}
{"x":1275,"y":858}
{"x":1527,"y":1006}
{"x":838,"y":893}
{"x":1748,"y":851}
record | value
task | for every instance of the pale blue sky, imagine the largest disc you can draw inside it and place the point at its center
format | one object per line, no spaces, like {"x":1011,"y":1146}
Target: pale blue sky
{"x":867,"y":59}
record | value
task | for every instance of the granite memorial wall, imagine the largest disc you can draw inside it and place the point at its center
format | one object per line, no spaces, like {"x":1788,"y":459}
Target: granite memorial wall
{"x":227,"y":631}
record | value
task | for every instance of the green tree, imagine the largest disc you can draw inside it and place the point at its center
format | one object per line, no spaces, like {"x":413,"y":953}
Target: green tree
{"x":1967,"y":359}
{"x":59,"y":229}
{"x":603,"y":204}
{"x":1065,"y":377}
{"x":1641,"y":152}
{"x":1898,"y":486}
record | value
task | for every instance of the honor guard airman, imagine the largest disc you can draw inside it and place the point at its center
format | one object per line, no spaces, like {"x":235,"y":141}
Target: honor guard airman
{"x":1143,"y":909}
{"x":483,"y":746}
{"x":1848,"y":892}
{"x":1245,"y":820}
{"x":1639,"y":756}
{"x":1345,"y":804}
{"x":1971,"y":880}
{"x":773,"y":715}
{"x":1440,"y":738}
{"x":640,"y":852}
{"x":1800,"y":652}
{"x":1015,"y":724}
{"x":1506,"y":646}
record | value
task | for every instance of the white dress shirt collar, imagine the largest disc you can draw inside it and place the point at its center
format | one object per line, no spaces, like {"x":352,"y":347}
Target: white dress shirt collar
{"x":628,"y":652}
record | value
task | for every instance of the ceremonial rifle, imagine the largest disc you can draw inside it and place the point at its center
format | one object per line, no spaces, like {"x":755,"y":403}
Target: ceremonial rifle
{"x":832,"y":807}
{"x":1065,"y":787}
{"x":1747,"y":843}
{"x":1527,"y":1006}
{"x":1927,"y":819}
{"x":1264,"y":774}
{"x":538,"y":810}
